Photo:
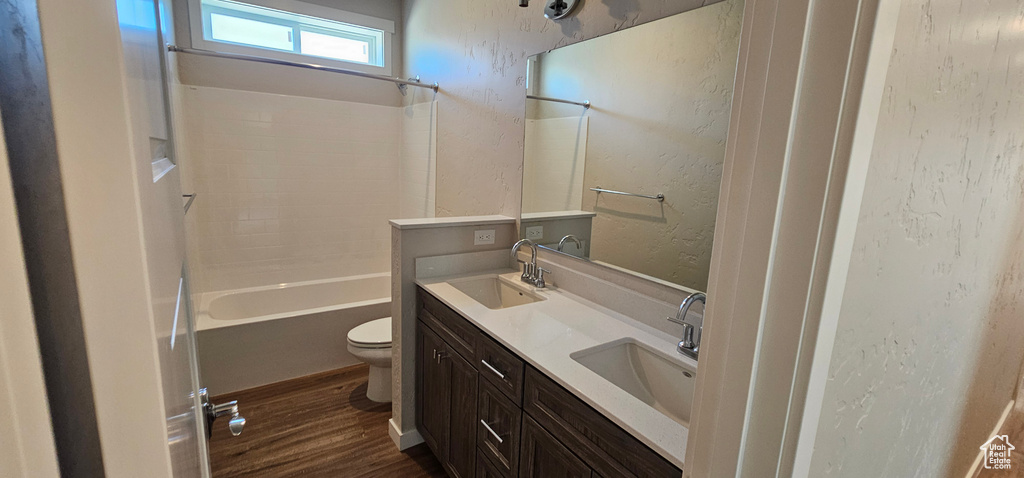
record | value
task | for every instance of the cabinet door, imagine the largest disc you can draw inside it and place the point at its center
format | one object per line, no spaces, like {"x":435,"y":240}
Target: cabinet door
{"x":486,"y":469}
{"x":543,"y":456}
{"x":432,"y":387}
{"x":462,"y":416}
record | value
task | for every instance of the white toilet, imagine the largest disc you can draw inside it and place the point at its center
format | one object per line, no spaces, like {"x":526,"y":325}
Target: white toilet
{"x":371,"y":343}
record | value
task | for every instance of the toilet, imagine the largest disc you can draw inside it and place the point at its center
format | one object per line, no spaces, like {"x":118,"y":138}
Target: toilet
{"x":371,"y":343}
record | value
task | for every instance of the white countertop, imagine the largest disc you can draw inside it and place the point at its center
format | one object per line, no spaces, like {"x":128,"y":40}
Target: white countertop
{"x":544,"y":333}
{"x":539,"y":216}
{"x":429,"y":222}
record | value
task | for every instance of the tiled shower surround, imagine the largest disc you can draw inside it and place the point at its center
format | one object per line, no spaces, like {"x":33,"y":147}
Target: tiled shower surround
{"x":293,"y":188}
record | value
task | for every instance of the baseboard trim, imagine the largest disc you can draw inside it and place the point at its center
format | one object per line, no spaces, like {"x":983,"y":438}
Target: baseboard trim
{"x":405,"y":440}
{"x":973,"y":470}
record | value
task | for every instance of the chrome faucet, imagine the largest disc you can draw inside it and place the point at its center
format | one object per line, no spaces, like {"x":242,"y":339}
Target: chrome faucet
{"x":687,"y":346}
{"x":570,"y":237}
{"x":532,"y":273}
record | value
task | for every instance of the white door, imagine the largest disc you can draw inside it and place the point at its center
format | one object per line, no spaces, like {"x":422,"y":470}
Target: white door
{"x":162,"y":217}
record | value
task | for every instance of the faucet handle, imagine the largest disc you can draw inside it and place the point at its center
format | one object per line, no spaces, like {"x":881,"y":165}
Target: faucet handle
{"x":687,"y":341}
{"x":539,"y":282}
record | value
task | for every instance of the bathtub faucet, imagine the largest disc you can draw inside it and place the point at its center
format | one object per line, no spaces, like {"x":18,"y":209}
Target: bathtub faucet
{"x":532,"y":273}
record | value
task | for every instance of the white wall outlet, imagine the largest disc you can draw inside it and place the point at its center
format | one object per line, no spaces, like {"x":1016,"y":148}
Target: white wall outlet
{"x":483,"y":237}
{"x":535,"y":233}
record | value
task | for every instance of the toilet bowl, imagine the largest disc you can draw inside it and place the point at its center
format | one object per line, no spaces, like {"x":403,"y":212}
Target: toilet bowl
{"x":371,"y":343}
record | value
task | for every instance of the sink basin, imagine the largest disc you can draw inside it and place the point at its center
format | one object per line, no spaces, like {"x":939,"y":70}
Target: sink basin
{"x":664,"y":383}
{"x":494,"y":292}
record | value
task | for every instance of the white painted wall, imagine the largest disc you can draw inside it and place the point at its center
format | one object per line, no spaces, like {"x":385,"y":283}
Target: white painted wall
{"x":929,"y":338}
{"x":477,"y":51}
{"x":661,"y":96}
{"x":294,"y":188}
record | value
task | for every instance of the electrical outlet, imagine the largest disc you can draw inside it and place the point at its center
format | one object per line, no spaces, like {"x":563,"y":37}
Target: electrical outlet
{"x":535,"y":233}
{"x":483,"y":237}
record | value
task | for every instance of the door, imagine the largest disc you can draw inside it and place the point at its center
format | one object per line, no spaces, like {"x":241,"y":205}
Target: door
{"x":433,"y":391}
{"x":158,"y":186}
{"x":543,"y":455}
{"x":462,"y":422}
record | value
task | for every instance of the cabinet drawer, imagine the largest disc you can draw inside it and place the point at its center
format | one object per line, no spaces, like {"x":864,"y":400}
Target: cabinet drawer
{"x":455,"y":330}
{"x":500,"y":367}
{"x":498,"y":425}
{"x":609,"y":450}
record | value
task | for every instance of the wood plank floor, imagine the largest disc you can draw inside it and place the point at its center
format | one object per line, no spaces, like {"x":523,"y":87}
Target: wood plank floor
{"x":320,"y":425}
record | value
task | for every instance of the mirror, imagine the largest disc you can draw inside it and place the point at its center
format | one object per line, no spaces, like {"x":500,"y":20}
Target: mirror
{"x":634,"y":175}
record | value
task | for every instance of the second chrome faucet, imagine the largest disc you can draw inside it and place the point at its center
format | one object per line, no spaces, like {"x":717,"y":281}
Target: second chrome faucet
{"x":532,"y":273}
{"x":687,"y":345}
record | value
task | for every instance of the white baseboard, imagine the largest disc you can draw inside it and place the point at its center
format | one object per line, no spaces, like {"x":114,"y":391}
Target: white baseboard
{"x":403,"y":440}
{"x":973,"y":470}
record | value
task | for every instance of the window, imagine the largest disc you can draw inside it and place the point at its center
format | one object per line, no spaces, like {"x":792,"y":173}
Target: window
{"x":254,"y":28}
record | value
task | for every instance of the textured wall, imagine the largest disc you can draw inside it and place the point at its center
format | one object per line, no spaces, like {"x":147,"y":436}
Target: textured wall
{"x":417,"y":161}
{"x":657,"y":125}
{"x":930,"y":333}
{"x":556,"y":152}
{"x":477,"y":51}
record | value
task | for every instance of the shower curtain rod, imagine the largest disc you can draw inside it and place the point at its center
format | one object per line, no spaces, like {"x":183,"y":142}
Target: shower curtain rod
{"x":311,"y":66}
{"x":585,"y":104}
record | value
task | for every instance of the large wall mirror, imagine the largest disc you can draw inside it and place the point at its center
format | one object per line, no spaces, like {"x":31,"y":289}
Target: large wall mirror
{"x":633,"y":176}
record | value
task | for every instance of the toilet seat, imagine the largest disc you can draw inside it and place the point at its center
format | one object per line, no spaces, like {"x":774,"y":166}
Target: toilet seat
{"x":375,"y":334}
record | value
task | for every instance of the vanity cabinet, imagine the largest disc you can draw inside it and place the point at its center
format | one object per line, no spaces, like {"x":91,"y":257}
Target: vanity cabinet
{"x":447,"y":386}
{"x":543,"y":455}
{"x":486,"y":413}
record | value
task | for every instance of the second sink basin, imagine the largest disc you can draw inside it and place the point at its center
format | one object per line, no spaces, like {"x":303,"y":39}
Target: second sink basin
{"x":494,"y":292}
{"x":661,"y":382}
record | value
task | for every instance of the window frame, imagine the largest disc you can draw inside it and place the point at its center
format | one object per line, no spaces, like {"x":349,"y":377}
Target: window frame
{"x":197,"y":27}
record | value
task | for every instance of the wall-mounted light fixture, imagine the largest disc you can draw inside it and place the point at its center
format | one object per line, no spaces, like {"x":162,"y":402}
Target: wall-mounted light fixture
{"x":557,"y":9}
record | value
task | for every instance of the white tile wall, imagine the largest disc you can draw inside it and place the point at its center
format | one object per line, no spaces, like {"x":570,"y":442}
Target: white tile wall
{"x":293,"y":188}
{"x":555,"y":152}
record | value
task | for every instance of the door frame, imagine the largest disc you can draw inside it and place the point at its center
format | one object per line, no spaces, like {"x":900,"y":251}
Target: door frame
{"x":27,"y":447}
{"x":85,"y":74}
{"x":808,"y":91}
{"x":35,"y":199}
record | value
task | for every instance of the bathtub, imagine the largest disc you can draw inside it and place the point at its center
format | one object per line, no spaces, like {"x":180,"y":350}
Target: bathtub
{"x":260,"y":335}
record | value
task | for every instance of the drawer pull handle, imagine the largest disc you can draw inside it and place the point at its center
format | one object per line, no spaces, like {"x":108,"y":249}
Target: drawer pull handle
{"x":499,"y":374}
{"x":491,"y":430}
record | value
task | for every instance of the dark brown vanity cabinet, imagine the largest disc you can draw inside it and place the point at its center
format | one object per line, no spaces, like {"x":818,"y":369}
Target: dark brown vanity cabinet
{"x":543,"y":455}
{"x":447,"y":387}
{"x":486,"y":413}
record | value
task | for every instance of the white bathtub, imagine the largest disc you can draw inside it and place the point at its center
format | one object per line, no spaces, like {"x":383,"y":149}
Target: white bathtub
{"x":252,"y":337}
